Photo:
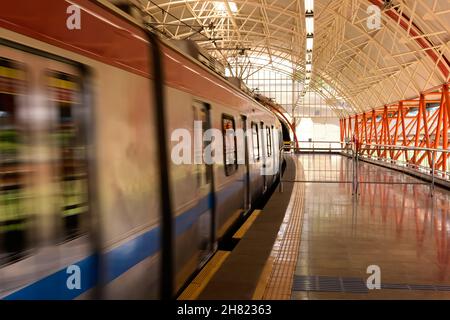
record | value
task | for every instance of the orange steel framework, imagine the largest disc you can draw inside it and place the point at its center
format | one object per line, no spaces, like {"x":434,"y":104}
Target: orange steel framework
{"x":422,"y":122}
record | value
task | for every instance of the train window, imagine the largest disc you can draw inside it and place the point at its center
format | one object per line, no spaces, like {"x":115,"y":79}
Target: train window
{"x":261,"y":134}
{"x":269,"y":141}
{"x":70,"y":148}
{"x":255,"y":141}
{"x":229,"y":144}
{"x":203,"y":173}
{"x":13,"y":165}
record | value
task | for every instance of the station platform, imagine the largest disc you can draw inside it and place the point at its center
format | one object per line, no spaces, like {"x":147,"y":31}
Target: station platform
{"x":315,"y":239}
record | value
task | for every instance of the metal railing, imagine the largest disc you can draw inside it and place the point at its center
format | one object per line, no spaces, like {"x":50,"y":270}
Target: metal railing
{"x":396,"y":157}
{"x":321,"y":147}
{"x":316,"y":146}
{"x":405,"y":157}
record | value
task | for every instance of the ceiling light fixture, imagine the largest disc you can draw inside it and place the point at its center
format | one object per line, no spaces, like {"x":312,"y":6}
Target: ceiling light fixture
{"x":309,"y":26}
{"x":309,"y":43}
{"x":221,"y":7}
{"x":309,"y":5}
{"x":309,"y":23}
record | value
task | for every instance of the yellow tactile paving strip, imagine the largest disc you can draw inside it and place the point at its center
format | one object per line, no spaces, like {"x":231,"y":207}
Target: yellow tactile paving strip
{"x":263,"y":279}
{"x":201,"y":280}
{"x":283,"y":258}
{"x":248,"y":223}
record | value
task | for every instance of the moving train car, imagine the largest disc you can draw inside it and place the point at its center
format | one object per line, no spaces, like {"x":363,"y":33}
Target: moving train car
{"x":91,"y":203}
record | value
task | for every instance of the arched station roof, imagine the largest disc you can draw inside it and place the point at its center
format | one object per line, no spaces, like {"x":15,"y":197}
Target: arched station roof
{"x":367,"y":67}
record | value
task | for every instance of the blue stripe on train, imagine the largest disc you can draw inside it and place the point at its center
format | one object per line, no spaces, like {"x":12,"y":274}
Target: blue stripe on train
{"x":54,"y":286}
{"x":118,"y":260}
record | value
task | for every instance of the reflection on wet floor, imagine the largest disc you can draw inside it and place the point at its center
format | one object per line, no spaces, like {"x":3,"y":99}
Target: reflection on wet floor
{"x":397,"y":227}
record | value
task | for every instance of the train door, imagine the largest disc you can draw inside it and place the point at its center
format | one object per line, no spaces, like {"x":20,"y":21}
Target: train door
{"x":246,"y":177}
{"x":264,"y":155}
{"x":276,"y":151}
{"x":205,"y":183}
{"x":269,"y":156}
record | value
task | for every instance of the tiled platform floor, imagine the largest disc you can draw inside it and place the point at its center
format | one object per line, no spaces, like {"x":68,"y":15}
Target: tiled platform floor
{"x":398,"y":227}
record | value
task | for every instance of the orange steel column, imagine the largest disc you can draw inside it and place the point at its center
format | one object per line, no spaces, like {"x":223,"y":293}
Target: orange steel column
{"x":389,"y":130}
{"x":350,"y":127}
{"x":445,"y":139}
{"x":400,"y":106}
{"x":374,"y":124}
{"x":417,"y":134}
{"x":364,"y":121}
{"x":385,"y":130}
{"x":437,"y":136}
{"x":445,"y":126}
{"x":447,"y":98}
{"x":346,"y":128}
{"x":397,"y":123}
{"x":423,"y":109}
{"x":370,"y":152}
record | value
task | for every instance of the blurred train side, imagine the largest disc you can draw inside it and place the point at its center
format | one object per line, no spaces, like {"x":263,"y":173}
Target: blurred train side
{"x":117,"y":237}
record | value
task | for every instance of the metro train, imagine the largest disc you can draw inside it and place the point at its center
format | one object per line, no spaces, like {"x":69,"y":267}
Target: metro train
{"x":91,"y":205}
